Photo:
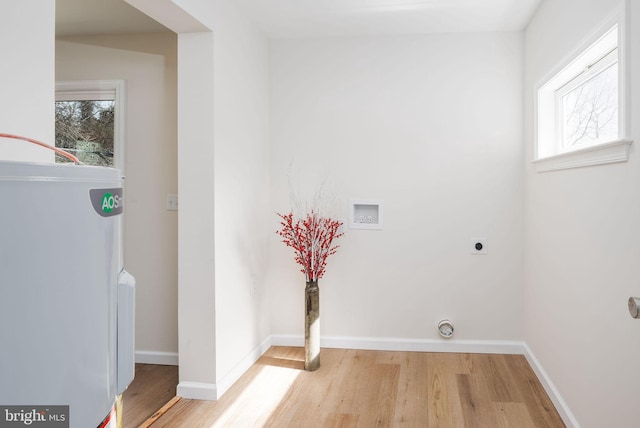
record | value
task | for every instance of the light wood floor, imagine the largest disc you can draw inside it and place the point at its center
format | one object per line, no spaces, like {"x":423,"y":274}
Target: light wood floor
{"x":376,"y":389}
{"x":151,"y":388}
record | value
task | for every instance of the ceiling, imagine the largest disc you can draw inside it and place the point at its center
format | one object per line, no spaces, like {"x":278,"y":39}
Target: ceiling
{"x":316,"y":18}
{"x":83,"y":17}
{"x":312,"y":18}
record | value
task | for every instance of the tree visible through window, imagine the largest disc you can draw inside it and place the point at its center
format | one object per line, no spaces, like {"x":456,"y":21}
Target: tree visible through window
{"x":590,"y":108}
{"x":86,"y":129}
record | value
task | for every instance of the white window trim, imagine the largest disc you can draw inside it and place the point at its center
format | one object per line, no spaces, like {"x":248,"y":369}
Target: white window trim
{"x":598,"y":154}
{"x":602,"y":153}
{"x":97,"y":90}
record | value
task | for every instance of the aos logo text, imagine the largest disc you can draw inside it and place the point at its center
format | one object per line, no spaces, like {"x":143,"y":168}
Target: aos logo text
{"x":109,"y":202}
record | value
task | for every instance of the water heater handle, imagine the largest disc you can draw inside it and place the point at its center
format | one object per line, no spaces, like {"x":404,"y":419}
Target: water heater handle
{"x":126,"y":330}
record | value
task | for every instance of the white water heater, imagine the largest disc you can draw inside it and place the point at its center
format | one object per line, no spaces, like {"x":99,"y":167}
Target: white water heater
{"x":66,"y":303}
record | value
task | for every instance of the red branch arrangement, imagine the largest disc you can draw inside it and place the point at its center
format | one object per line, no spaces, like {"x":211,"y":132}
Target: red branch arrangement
{"x":311,"y":240}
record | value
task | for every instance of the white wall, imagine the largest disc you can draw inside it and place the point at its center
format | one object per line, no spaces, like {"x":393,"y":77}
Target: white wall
{"x":223,"y":171}
{"x":147,"y":63}
{"x":241,"y":180}
{"x":582,"y":243}
{"x":196,"y":252}
{"x":26,"y":78}
{"x":432,"y":126}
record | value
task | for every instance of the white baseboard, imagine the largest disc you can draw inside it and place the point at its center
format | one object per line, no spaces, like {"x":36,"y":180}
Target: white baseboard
{"x":213,"y":391}
{"x":561,"y":406}
{"x":197,"y":391}
{"x":409,"y":345}
{"x":234,"y":374}
{"x":156,"y":357}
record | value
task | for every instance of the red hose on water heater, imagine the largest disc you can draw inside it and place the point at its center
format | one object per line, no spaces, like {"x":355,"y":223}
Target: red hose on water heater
{"x":45,"y":145}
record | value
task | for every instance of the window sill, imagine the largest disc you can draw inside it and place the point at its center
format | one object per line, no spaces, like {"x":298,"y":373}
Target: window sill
{"x":614,"y":151}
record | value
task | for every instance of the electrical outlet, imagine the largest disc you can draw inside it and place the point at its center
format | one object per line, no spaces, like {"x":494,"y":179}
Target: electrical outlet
{"x":479,"y":246}
{"x":172,"y":202}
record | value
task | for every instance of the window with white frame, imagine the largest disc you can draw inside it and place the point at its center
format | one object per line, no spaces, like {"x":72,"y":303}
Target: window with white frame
{"x":581,"y":110}
{"x":587,"y":106}
{"x":88,"y":118}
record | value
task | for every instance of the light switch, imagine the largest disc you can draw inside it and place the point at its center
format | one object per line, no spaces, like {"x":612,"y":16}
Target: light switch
{"x":172,"y":202}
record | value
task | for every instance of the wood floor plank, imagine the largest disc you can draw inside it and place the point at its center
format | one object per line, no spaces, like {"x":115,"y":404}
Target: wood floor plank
{"x":500,"y":382}
{"x":477,"y":408}
{"x":340,"y":420}
{"x":363,"y":389}
{"x":444,"y":408}
{"x":304,"y":400}
{"x":352,"y":369}
{"x":413,"y":389}
{"x":467,"y":362}
{"x":151,"y":419}
{"x":152,"y":387}
{"x":380,"y":398}
{"x":541,"y":409}
{"x":513,"y":415}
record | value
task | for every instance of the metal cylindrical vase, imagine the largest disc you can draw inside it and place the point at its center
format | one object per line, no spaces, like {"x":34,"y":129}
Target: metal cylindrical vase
{"x":312,"y":326}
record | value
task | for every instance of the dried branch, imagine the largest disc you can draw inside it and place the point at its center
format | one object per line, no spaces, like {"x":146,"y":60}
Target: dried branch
{"x":311,"y":239}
